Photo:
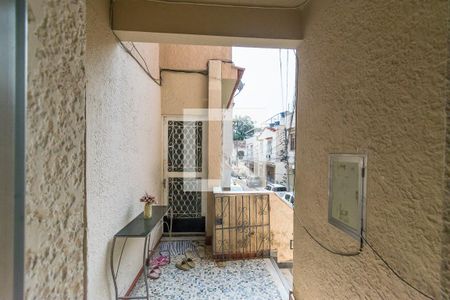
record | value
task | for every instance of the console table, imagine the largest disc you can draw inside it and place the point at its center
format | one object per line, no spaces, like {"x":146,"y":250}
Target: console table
{"x":140,"y":228}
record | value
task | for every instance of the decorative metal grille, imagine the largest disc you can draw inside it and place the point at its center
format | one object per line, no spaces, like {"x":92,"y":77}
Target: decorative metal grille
{"x":185,"y":146}
{"x":242,"y":226}
{"x":185,"y":197}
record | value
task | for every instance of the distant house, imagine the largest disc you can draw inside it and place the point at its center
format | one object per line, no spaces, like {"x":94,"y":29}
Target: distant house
{"x":270,"y":154}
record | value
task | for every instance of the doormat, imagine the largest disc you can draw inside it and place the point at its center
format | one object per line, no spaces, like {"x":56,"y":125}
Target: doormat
{"x":186,"y":224}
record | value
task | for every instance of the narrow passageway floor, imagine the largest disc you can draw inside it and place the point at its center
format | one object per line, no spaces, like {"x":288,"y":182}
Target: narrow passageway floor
{"x":240,"y":279}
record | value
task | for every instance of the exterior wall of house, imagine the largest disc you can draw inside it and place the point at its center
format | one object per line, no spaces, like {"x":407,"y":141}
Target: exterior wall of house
{"x":123,"y":148}
{"x":281,"y":229}
{"x":190,"y":57}
{"x":181,"y":91}
{"x":55,"y":186}
{"x":184,"y":90}
{"x":372,"y":81}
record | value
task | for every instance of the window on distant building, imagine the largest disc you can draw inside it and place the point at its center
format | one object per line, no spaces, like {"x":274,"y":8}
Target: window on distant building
{"x":292,"y":140}
{"x":269,"y":147}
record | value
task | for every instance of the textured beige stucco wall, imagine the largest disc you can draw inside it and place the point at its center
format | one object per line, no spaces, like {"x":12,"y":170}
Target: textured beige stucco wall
{"x":190,"y":57}
{"x":446,"y":234}
{"x":372,"y":80}
{"x":281,"y":228}
{"x":55,"y":150}
{"x":123,"y":149}
{"x":181,"y":91}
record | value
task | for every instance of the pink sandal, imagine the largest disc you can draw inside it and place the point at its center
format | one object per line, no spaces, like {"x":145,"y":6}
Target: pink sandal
{"x":160,"y":261}
{"x":154,"y":273}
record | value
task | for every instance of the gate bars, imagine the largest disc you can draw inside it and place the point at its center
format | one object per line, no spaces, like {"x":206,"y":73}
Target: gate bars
{"x":242,"y":226}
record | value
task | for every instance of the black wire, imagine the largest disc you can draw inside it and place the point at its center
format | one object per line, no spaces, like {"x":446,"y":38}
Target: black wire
{"x":347,"y":254}
{"x":135,"y":59}
{"x":393,"y":271}
{"x":158,"y":82}
{"x":139,"y":53}
{"x":363,"y":239}
{"x":201,"y":72}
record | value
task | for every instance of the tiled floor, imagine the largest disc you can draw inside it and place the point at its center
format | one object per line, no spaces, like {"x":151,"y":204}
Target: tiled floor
{"x":244,"y":279}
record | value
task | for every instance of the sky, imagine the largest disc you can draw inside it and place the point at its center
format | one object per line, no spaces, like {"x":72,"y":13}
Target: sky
{"x":263,"y":95}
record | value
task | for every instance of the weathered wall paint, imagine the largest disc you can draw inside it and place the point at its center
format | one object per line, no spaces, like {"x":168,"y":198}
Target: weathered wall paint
{"x":55,"y":150}
{"x":372,"y":80}
{"x":123,"y":149}
{"x":190,"y":57}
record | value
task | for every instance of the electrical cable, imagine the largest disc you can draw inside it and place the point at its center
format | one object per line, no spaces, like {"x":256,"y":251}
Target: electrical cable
{"x":136,"y":60}
{"x":362,"y":241}
{"x":139,"y":53}
{"x":201,"y":72}
{"x":292,"y":7}
{"x":335,"y":252}
{"x":393,"y":271}
{"x":125,"y":48}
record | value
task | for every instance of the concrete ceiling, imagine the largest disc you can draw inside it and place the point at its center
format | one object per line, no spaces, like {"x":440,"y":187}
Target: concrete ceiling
{"x":258,"y":3}
{"x":210,"y":22}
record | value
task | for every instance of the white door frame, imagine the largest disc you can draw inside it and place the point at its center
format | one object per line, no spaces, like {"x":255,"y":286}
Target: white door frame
{"x":164,"y":172}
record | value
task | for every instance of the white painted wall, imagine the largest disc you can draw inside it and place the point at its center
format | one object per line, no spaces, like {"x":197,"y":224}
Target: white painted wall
{"x":122,"y":148}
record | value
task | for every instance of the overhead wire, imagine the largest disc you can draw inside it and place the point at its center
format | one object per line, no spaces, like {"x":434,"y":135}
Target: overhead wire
{"x":128,"y":51}
{"x":201,"y":72}
{"x":139,"y":53}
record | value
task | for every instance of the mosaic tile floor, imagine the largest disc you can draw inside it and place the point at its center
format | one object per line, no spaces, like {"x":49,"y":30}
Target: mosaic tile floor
{"x":247,"y":279}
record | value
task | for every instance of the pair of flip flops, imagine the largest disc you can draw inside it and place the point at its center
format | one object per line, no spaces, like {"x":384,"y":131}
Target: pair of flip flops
{"x":187,"y":263}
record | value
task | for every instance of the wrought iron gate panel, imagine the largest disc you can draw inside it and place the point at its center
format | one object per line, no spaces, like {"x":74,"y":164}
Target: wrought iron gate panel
{"x":185,"y":197}
{"x":242,"y":226}
{"x":184,"y":146}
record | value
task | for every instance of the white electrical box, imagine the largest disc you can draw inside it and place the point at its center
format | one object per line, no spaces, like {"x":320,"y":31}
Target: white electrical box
{"x":346,"y":192}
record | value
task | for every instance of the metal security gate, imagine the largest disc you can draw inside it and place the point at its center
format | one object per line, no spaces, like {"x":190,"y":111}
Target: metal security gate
{"x":242,"y":226}
{"x":184,"y":169}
